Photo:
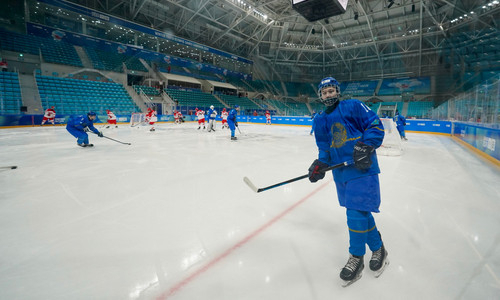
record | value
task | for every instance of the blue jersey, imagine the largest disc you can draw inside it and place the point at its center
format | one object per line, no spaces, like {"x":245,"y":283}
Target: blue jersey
{"x":81,"y":122}
{"x":232,"y":116}
{"x":400,"y":120}
{"x":212,"y":113}
{"x":337,"y":132}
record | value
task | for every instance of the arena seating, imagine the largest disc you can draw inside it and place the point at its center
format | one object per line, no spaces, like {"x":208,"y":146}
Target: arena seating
{"x":148,"y":90}
{"x":296,"y":89}
{"x":57,"y":52}
{"x":110,"y":61}
{"x":317,"y":106}
{"x":290,"y":108}
{"x":419,"y":109}
{"x":10,"y":93}
{"x":193,"y":99}
{"x":244,"y":102}
{"x":76,"y":96}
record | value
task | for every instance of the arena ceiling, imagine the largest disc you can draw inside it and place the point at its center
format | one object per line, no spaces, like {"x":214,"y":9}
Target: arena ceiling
{"x":372,"y":38}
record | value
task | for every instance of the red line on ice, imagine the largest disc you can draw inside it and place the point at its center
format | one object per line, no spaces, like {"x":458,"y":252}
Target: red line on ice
{"x":177,"y":287}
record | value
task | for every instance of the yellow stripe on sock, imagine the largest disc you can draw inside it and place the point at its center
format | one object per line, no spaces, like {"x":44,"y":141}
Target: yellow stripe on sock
{"x":362,"y":231}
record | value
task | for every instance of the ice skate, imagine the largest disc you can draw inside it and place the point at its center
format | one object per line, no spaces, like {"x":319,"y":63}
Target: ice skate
{"x":199,"y":127}
{"x":233,"y":138}
{"x":85,"y":145}
{"x":379,"y":261}
{"x":352,"y":271}
{"x":152,"y":129}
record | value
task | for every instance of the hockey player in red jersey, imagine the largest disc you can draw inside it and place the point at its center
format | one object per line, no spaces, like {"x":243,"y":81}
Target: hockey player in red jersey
{"x":111,"y":118}
{"x":200,"y":113}
{"x":224,"y":115}
{"x":151,"y":118}
{"x":268,"y":118}
{"x":177,"y":117}
{"x":50,"y":115}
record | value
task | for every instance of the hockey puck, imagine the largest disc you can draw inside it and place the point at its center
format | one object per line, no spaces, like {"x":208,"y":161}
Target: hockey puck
{"x":14,"y":167}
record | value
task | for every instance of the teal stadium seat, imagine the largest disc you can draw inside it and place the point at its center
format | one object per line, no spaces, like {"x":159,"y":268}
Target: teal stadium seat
{"x":10,"y":93}
{"x":74,"y":96}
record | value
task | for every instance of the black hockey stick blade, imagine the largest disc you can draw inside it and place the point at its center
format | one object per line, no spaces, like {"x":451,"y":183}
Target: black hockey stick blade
{"x":9,"y":167}
{"x":258,"y":190}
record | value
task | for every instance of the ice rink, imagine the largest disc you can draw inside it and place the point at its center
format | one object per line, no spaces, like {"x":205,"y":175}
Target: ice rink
{"x":169,"y":217}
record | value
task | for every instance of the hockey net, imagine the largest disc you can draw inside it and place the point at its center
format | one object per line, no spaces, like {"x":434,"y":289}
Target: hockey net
{"x":391,"y":146}
{"x":137,"y":119}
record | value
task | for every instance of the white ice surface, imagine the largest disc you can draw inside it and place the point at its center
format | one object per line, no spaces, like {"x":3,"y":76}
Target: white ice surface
{"x":170,"y":217}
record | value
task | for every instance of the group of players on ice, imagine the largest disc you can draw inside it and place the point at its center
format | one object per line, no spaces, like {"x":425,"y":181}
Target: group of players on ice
{"x":346,"y":132}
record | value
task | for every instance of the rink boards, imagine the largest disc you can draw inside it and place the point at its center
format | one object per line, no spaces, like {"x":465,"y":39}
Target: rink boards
{"x":482,"y":138}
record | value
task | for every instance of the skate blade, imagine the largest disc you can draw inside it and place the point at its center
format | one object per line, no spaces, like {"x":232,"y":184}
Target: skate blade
{"x":346,"y":283}
{"x":381,"y":270}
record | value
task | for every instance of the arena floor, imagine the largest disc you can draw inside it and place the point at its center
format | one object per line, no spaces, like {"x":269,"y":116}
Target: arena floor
{"x":169,"y":217}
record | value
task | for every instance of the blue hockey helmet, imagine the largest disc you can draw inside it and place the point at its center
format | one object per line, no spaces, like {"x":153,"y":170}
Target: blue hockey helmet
{"x":91,"y":113}
{"x":327,"y":82}
{"x":236,"y":106}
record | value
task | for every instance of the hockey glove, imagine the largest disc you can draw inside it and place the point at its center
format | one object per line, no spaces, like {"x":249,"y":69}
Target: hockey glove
{"x":236,"y":124}
{"x":316,"y":170}
{"x":361,"y":156}
{"x":99,"y":134}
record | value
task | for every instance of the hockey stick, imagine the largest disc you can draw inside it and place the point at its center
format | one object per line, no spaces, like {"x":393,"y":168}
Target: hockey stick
{"x":116,"y":140}
{"x":258,"y":190}
{"x":113,"y":139}
{"x":9,"y":167}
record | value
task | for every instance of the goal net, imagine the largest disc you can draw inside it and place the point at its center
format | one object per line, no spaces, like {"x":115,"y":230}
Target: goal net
{"x":391,"y":146}
{"x":137,"y":119}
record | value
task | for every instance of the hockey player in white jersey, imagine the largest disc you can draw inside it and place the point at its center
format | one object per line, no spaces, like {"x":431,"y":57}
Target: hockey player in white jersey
{"x":50,"y":115}
{"x":200,"y":113}
{"x":111,"y":118}
{"x":224,"y":115}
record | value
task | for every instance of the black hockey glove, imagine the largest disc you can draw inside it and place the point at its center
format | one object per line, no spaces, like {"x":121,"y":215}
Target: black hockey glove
{"x":99,"y":134}
{"x":316,"y":170}
{"x":236,"y":124}
{"x":361,"y":156}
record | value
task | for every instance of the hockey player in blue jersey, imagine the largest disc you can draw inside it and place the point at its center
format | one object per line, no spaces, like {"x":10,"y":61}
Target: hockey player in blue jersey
{"x":212,"y":114}
{"x":400,"y":125}
{"x":78,"y":125}
{"x":232,"y":122}
{"x":349,"y":131}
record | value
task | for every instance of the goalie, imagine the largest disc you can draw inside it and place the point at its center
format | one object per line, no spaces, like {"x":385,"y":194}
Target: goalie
{"x":212,"y":114}
{"x":348,"y":130}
